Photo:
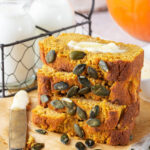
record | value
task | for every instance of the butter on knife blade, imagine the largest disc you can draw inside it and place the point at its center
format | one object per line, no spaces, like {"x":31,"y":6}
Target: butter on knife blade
{"x":18,"y":121}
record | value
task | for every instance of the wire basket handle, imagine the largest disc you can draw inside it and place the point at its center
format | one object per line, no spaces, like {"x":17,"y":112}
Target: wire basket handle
{"x":91,"y":10}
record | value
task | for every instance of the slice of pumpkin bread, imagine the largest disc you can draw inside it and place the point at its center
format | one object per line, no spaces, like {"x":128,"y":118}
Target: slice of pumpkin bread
{"x":113,"y":61}
{"x":64,"y":123}
{"x":108,"y":114}
{"x":52,"y":82}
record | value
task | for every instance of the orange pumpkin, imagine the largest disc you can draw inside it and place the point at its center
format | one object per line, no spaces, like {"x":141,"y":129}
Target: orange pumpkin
{"x":133,"y":16}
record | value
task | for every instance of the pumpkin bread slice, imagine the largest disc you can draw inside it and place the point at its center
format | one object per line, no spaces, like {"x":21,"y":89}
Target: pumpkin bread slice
{"x":68,"y":84}
{"x":119,"y":66}
{"x":64,"y":123}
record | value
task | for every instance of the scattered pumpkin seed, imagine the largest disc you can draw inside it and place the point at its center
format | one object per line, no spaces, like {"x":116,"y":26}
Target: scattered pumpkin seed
{"x":84,"y":81}
{"x":37,"y":146}
{"x":72,"y":91}
{"x":57,"y":104}
{"x":68,"y":102}
{"x":84,"y":90}
{"x":80,"y":146}
{"x":103,"y":66}
{"x":81,"y":113}
{"x":64,"y":139}
{"x":51,"y":56}
{"x":61,"y":86}
{"x":72,"y":111}
{"x":44,"y":98}
{"x":79,"y":69}
{"x":100,"y":90}
{"x":76,"y":55}
{"x":41,"y":131}
{"x":92,"y":72}
{"x":131,"y":137}
{"x":93,"y":122}
{"x":89,"y":142}
{"x":94,"y":111}
{"x":78,"y":130}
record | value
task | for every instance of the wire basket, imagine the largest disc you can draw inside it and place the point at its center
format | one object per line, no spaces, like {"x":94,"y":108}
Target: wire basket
{"x":83,"y":26}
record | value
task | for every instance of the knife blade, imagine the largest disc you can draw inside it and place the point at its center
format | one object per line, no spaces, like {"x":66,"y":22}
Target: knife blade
{"x":18,"y":121}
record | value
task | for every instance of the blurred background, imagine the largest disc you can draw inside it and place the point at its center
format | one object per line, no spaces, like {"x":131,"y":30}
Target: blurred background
{"x":103,"y":24}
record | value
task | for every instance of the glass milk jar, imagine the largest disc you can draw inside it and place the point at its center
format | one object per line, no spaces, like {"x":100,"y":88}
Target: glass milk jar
{"x":15,"y":25}
{"x":51,"y":15}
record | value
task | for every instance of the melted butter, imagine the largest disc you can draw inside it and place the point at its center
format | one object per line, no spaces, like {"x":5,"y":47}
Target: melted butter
{"x":21,"y":100}
{"x":95,"y":47}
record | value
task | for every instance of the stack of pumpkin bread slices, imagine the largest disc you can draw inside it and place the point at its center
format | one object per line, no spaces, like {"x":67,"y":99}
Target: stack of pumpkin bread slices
{"x":88,"y":87}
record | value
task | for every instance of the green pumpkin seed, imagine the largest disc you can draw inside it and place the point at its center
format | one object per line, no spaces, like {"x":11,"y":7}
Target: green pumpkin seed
{"x":37,"y":146}
{"x":100,"y":90}
{"x":79,"y":69}
{"x":76,"y":55}
{"x":68,"y":102}
{"x":103,"y":66}
{"x":44,"y":98}
{"x":92,"y":72}
{"x":72,"y":91}
{"x":64,"y":139}
{"x":57,"y":104}
{"x":78,"y":130}
{"x":51,"y":56}
{"x":89,"y":142}
{"x":84,"y":90}
{"x":80,"y":146}
{"x":84,"y":81}
{"x":72,"y":111}
{"x":94,"y":111}
{"x":61,"y":86}
{"x":81,"y":113}
{"x":41,"y":131}
{"x":93,"y":122}
{"x":131,"y":137}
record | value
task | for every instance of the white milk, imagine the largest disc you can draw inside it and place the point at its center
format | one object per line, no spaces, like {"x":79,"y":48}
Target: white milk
{"x":16,"y":24}
{"x":51,"y":15}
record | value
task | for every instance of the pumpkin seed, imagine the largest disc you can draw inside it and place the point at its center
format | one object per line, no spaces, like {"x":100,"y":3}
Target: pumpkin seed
{"x":37,"y":146}
{"x":51,"y":56}
{"x":84,"y":90}
{"x":76,"y":55}
{"x":92,"y":72}
{"x":80,"y":146}
{"x":131,"y":137}
{"x":84,"y":81}
{"x":61,"y":86}
{"x":57,"y":104}
{"x":93,"y":122}
{"x":100,"y":90}
{"x":72,"y":91}
{"x":72,"y":111}
{"x":79,"y":69}
{"x":103,"y":66}
{"x":81,"y":113}
{"x":94,"y":111}
{"x":64,"y":139}
{"x":68,"y":102}
{"x":41,"y":131}
{"x":78,"y":130}
{"x":89,"y":142}
{"x":44,"y":98}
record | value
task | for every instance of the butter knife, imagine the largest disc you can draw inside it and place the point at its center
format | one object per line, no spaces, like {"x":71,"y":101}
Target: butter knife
{"x":18,"y":121}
